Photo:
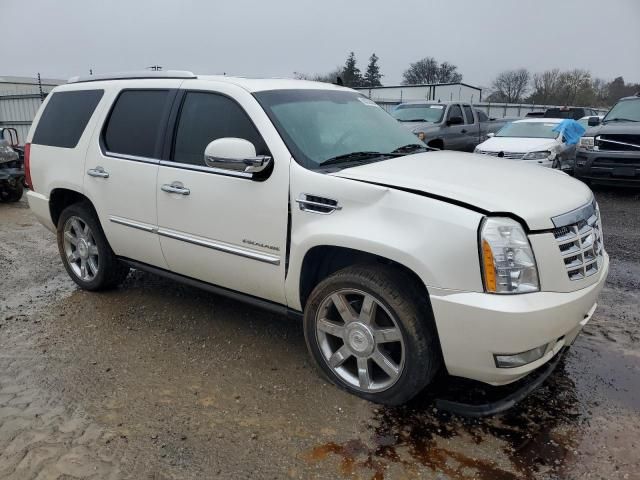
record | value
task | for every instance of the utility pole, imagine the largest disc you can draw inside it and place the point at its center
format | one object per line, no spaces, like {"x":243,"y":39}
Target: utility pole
{"x":40,"y":88}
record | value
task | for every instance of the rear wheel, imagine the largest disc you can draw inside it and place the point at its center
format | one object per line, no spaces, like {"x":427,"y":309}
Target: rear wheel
{"x":372,"y":334}
{"x":84,"y":250}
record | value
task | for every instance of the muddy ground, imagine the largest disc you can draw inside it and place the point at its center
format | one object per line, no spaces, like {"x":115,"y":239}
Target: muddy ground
{"x":155,"y":380}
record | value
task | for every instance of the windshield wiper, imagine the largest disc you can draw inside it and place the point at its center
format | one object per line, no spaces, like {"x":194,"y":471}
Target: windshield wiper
{"x":352,"y":157}
{"x":413,"y":120}
{"x":411,"y":147}
{"x":618,"y":119}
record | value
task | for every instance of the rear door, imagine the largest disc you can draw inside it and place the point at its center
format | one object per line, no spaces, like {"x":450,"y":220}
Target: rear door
{"x":472,"y":127}
{"x":122,"y":165}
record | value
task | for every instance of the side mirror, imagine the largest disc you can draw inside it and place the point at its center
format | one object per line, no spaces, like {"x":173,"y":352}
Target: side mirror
{"x":455,"y":121}
{"x":235,"y":155}
{"x":593,"y":121}
{"x":491,"y":135}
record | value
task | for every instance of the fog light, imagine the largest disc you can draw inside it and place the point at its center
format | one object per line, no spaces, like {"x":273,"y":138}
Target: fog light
{"x":520,"y":359}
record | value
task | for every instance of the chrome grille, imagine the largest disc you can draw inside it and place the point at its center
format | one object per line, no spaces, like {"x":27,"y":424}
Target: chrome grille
{"x":580,"y":246}
{"x":509,"y":155}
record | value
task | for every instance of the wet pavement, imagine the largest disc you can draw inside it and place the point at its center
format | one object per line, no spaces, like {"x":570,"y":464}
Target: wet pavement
{"x":158,"y":380}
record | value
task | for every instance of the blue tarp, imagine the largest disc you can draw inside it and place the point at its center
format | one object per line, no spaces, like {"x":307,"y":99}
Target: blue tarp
{"x":571,"y":130}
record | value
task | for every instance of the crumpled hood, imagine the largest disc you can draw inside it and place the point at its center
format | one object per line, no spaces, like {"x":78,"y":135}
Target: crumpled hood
{"x":518,"y":145}
{"x":490,"y":184}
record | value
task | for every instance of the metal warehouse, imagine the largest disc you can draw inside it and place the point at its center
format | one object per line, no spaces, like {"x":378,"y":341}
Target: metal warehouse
{"x":395,"y":94}
{"x":20,"y":98}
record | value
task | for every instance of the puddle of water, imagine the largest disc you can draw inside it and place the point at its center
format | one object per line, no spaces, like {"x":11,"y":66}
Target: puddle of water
{"x":517,"y":444}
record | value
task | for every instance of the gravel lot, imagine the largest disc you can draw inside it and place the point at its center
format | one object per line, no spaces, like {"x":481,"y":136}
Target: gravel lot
{"x":156,"y":380}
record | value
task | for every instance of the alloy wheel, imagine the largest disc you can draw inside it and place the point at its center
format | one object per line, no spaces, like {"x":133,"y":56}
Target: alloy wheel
{"x":360,"y":340}
{"x":80,"y":249}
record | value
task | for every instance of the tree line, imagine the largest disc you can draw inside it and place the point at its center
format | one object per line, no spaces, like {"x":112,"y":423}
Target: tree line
{"x":550,"y":87}
{"x":426,"y":70}
{"x":557,"y":87}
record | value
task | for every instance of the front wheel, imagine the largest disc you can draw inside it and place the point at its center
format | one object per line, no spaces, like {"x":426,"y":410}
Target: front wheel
{"x":370,"y":332}
{"x":11,"y":194}
{"x":84,"y":250}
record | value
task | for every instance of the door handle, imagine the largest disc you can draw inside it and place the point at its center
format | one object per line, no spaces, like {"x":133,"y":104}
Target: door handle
{"x":97,"y":172}
{"x":463,"y":130}
{"x":175,"y":187}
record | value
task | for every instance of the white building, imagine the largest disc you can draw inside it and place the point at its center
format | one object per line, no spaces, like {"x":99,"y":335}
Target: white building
{"x":20,"y":98}
{"x":394,"y":94}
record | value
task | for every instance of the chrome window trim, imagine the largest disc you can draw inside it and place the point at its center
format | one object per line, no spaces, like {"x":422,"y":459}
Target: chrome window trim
{"x":574,"y":216}
{"x":205,"y":169}
{"x":145,"y":227}
{"x":124,"y":156}
{"x":222,"y":247}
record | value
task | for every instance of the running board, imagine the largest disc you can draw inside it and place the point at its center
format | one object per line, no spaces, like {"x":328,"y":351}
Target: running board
{"x":272,"y":307}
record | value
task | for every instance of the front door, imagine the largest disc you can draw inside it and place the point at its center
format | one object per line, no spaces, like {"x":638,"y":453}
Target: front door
{"x":455,"y":137}
{"x":223,"y":229}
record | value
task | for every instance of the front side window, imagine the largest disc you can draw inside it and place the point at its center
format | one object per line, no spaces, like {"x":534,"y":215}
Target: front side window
{"x":528,"y":130}
{"x":418,"y":113}
{"x":134,"y":125}
{"x":206,"y":117}
{"x":624,"y":110}
{"x":65,"y":118}
{"x":468,"y":113}
{"x":322,"y":127}
{"x":454,"y":111}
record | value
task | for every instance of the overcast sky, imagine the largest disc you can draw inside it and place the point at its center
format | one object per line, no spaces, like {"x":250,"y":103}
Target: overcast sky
{"x":63,"y":38}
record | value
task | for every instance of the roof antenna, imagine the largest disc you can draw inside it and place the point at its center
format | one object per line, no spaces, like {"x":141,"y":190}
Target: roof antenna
{"x":339,"y":81}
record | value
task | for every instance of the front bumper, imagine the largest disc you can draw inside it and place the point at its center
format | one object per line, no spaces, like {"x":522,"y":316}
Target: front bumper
{"x":474,"y":326}
{"x":12,"y":173}
{"x":608,"y":166}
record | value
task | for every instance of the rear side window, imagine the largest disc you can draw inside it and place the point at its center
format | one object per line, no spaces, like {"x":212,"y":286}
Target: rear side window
{"x":205,"y":117}
{"x":65,"y":118}
{"x":468,"y":113}
{"x":135,"y":122}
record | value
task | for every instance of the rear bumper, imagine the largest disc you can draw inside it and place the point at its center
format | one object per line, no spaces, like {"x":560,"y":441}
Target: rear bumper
{"x":473,"y":327}
{"x":39,"y":205}
{"x":620,"y":168}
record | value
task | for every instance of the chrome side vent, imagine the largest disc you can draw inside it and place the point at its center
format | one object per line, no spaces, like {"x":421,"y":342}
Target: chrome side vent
{"x":317,"y":204}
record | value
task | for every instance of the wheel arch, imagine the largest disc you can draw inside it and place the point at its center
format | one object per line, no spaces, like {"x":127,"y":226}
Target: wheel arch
{"x":436,"y":143}
{"x":320,"y":261}
{"x":61,"y":198}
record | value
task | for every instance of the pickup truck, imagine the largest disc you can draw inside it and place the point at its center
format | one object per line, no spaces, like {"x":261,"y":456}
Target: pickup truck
{"x":609,"y":152}
{"x":448,"y":125}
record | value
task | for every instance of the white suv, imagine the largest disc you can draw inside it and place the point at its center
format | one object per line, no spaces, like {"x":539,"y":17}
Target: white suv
{"x":309,"y":199}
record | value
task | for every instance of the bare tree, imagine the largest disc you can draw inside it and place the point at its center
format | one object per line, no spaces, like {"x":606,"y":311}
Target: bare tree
{"x":545,"y":86}
{"x":511,"y":85}
{"x":428,"y":70}
{"x":576,"y":87}
{"x":329,"y":77}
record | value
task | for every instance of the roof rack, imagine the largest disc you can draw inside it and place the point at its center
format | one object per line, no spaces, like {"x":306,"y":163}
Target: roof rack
{"x":133,"y":75}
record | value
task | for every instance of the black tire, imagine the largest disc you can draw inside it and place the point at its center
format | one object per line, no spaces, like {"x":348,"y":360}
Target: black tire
{"x":11,"y":194}
{"x":111,"y":271}
{"x":398,"y":293}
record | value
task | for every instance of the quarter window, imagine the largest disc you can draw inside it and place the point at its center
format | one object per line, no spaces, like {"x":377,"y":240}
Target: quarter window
{"x":134,"y":125}
{"x":482,"y":116}
{"x":65,"y":117}
{"x":205,"y":117}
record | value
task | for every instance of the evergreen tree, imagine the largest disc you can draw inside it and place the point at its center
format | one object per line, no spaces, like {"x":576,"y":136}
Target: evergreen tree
{"x":372,"y":76}
{"x":351,"y":76}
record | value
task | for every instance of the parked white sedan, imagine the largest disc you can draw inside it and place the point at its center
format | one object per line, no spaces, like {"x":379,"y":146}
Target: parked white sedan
{"x":531,"y":140}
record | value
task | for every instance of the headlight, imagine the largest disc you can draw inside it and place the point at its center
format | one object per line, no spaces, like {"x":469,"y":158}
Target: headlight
{"x":587,"y":143}
{"x":537,"y":155}
{"x":508,"y":263}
